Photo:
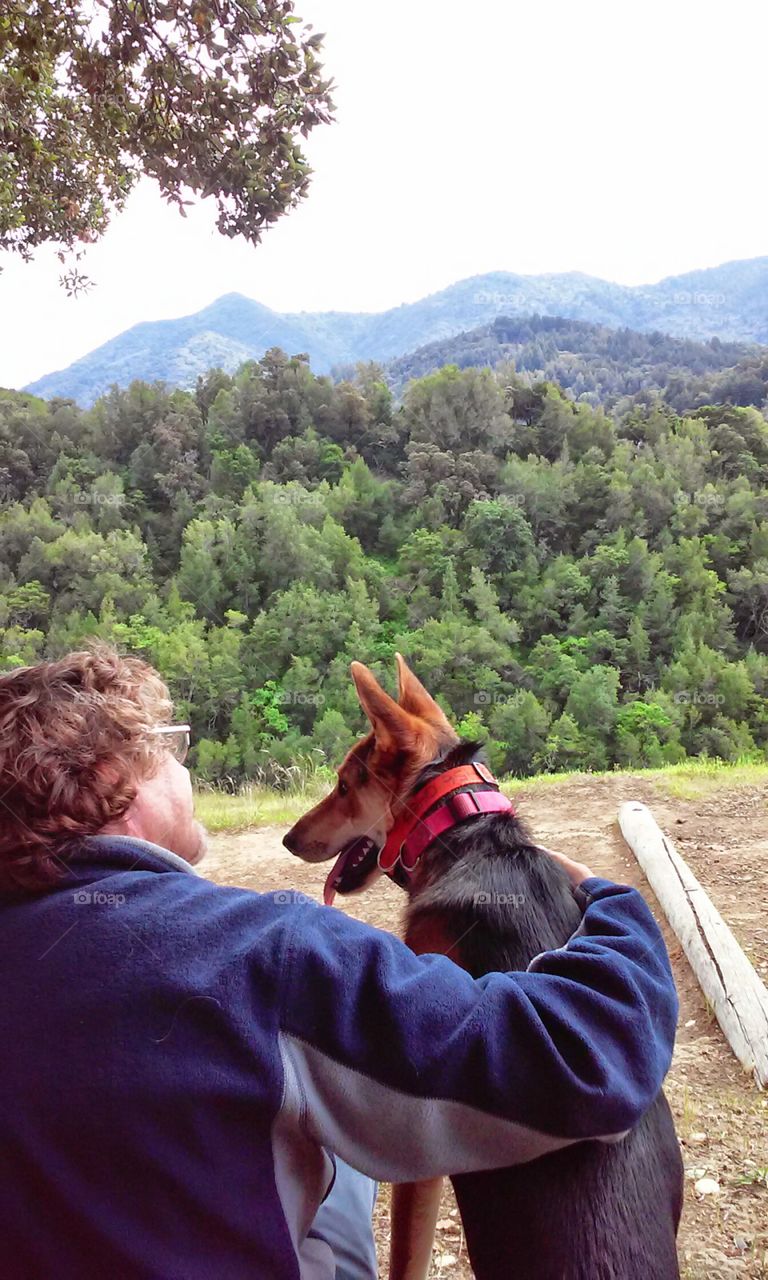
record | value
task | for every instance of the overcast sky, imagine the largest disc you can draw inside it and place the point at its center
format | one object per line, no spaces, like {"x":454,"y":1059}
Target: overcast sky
{"x":627,"y":141}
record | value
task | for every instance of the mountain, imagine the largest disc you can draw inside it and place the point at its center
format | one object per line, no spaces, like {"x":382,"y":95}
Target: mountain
{"x":729,"y":302}
{"x":597,"y":364}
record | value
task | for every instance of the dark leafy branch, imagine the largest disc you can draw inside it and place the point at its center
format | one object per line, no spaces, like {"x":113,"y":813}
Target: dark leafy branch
{"x":211,"y":98}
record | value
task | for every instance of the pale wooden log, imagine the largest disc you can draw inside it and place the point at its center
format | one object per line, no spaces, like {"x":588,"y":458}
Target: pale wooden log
{"x":737,"y":996}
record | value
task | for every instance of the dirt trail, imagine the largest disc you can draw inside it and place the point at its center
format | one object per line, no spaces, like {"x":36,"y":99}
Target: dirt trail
{"x":722,"y":1119}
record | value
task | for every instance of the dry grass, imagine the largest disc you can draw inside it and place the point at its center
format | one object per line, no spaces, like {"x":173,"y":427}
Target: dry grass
{"x":256,"y":806}
{"x":687,"y":781}
{"x":260,"y":806}
{"x":699,"y":778}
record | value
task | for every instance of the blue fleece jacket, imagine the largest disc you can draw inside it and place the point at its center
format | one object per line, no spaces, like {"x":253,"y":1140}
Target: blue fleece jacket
{"x":178,"y":1057}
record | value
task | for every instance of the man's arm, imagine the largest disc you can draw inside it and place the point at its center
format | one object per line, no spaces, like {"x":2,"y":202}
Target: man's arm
{"x":410,"y":1068}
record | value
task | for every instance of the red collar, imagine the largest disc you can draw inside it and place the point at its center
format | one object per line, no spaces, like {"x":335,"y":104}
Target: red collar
{"x":413,"y":832}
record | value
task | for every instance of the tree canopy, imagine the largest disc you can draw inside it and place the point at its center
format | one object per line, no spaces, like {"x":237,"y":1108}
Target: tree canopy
{"x":579,"y":590}
{"x":209,"y":98}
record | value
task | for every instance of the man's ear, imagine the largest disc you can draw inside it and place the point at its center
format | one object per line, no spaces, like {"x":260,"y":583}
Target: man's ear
{"x":388,"y":721}
{"x":414,"y":699}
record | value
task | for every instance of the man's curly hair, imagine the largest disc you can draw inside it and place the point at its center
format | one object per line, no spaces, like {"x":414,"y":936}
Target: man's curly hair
{"x":75,"y":742}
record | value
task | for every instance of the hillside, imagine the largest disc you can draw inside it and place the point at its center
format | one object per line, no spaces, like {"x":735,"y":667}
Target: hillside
{"x":729,"y":302}
{"x":584,"y":589}
{"x":591,"y":362}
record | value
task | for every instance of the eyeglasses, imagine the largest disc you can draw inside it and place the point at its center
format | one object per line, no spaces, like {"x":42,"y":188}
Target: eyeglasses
{"x":176,"y":739}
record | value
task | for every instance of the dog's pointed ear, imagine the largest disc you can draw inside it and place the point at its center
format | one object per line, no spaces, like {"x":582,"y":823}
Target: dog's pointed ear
{"x":388,"y":721}
{"x":413,"y":698}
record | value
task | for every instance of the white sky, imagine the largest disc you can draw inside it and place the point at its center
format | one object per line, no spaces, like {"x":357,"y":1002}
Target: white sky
{"x":624,"y":140}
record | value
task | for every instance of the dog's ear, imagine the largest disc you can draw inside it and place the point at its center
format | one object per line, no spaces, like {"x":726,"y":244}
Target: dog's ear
{"x":388,"y":721}
{"x":413,"y":698}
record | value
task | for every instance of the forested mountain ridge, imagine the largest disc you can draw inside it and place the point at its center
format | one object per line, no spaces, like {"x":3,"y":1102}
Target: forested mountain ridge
{"x":580,"y":590}
{"x":729,"y":302}
{"x":597,"y":364}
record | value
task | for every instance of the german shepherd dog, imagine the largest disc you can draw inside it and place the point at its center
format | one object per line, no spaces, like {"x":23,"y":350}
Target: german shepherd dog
{"x":591,"y":1211}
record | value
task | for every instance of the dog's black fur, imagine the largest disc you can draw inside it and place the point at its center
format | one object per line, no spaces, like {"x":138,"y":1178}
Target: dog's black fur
{"x":593,"y":1211}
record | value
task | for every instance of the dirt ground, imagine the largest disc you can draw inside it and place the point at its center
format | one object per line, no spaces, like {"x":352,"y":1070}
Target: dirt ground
{"x":722,"y":1119}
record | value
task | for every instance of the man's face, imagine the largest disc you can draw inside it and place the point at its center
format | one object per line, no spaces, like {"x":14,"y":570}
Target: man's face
{"x":163,"y":812}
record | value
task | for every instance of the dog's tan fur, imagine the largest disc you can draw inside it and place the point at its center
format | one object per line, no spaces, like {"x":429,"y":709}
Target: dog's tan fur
{"x":380,"y":769}
{"x":374,"y":779}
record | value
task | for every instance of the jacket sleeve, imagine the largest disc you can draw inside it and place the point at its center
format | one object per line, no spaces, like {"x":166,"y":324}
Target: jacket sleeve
{"x":409,"y":1068}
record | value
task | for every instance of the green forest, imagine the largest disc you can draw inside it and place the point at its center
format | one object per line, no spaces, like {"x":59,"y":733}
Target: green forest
{"x":600,"y":365}
{"x":580,"y":589}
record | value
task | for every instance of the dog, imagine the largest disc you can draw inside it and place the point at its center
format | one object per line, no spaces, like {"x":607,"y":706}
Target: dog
{"x":487,"y":896}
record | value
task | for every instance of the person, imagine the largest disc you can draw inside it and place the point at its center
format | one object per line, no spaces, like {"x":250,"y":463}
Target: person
{"x":181,"y":1058}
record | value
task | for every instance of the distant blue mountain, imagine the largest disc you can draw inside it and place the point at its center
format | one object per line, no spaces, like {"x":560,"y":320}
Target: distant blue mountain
{"x":729,"y":302}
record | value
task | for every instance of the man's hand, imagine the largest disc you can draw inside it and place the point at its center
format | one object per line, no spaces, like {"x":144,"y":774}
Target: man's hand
{"x":576,"y":871}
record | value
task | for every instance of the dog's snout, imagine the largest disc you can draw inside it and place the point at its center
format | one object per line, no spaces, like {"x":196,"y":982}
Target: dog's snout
{"x":290,"y":841}
{"x":301,"y":845}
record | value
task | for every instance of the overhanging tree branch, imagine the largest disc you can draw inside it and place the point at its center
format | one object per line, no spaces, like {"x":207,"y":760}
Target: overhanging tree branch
{"x":210,"y":98}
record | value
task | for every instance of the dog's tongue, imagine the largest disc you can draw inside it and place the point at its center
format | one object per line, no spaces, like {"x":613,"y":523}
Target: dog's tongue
{"x":353,"y":857}
{"x":329,"y":888}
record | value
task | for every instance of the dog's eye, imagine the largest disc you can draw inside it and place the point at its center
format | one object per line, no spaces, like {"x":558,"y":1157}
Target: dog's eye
{"x":343,"y":787}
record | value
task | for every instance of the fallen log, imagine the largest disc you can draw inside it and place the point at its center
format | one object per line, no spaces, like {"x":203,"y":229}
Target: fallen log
{"x":731,"y":985}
